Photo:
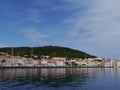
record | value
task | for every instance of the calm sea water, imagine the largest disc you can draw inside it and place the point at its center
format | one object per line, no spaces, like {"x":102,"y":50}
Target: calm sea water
{"x":60,"y":79}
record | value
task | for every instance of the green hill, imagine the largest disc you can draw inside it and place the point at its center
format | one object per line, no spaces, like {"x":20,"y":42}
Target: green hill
{"x":47,"y":50}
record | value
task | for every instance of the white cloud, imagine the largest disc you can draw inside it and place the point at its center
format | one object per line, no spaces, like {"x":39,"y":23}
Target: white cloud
{"x":33,"y":35}
{"x":73,"y":33}
{"x":34,"y":16}
{"x":3,"y":44}
{"x":30,"y":15}
{"x":99,"y":24}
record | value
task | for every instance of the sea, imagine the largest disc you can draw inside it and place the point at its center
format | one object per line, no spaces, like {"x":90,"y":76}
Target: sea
{"x":60,"y":79}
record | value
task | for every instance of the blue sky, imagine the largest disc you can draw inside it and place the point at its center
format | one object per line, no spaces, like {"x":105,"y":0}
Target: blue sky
{"x":92,"y":26}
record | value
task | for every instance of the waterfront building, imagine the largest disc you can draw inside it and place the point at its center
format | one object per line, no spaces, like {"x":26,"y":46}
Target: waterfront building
{"x":107,"y":63}
{"x":118,"y":63}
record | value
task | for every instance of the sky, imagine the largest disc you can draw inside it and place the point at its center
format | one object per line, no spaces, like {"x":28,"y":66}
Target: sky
{"x":92,"y":26}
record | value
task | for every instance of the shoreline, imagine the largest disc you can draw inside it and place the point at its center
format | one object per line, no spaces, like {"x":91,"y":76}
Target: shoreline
{"x":18,"y":67}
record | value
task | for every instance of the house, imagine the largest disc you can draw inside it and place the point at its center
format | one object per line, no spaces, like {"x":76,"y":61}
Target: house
{"x":12,"y":62}
{"x":53,"y":62}
{"x":48,"y":62}
{"x":118,"y":63}
{"x":107,"y":63}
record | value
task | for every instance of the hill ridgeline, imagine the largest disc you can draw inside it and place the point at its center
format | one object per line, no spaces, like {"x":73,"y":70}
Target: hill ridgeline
{"x":52,"y":51}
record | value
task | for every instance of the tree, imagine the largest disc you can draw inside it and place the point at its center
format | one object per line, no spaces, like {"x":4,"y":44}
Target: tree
{"x":3,"y":61}
{"x":74,"y":64}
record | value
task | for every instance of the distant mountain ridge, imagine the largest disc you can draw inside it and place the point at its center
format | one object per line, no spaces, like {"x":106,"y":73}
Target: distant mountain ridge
{"x":52,"y":51}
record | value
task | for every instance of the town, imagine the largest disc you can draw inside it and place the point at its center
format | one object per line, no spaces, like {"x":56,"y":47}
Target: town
{"x":7,"y":60}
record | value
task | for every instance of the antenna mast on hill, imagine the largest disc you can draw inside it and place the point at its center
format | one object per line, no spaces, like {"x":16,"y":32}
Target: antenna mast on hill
{"x":86,"y":56}
{"x":31,"y":51}
{"x":12,"y":51}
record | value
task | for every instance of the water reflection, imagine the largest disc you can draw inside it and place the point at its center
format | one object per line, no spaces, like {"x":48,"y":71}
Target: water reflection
{"x":51,"y":77}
